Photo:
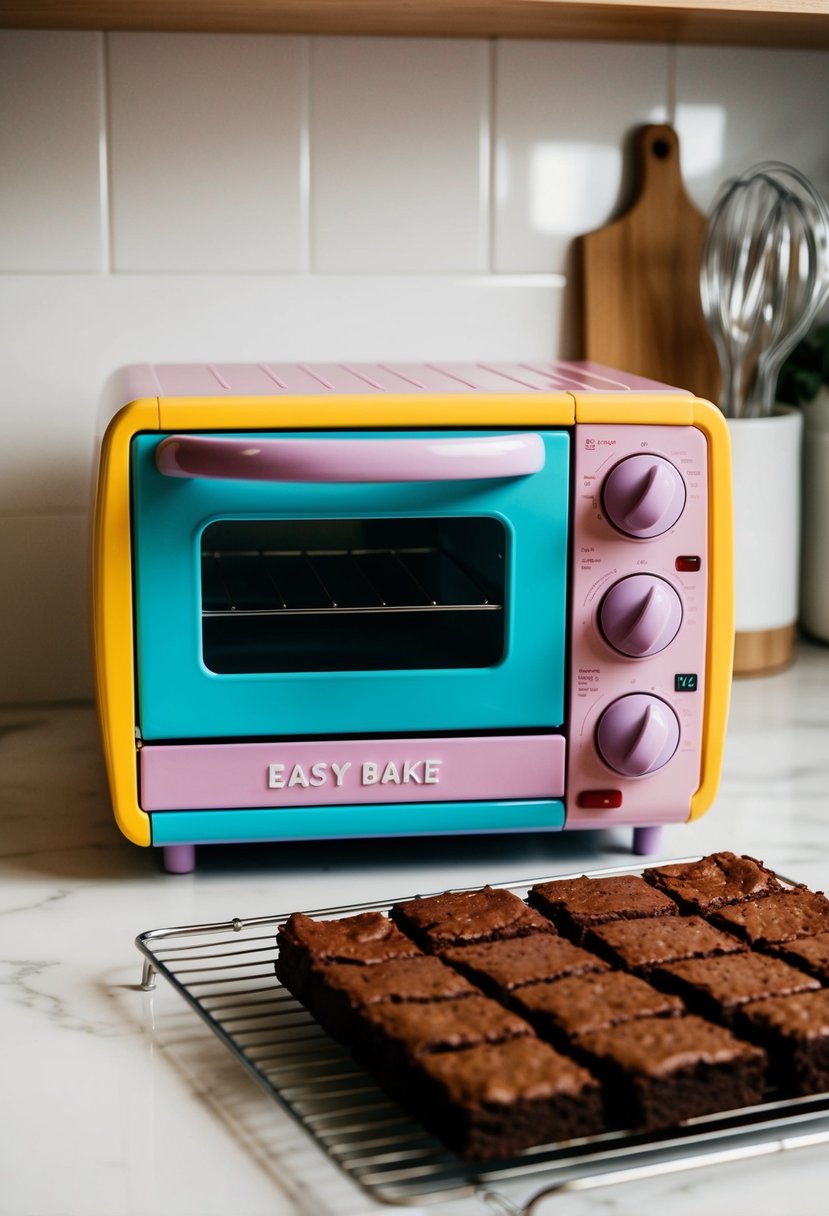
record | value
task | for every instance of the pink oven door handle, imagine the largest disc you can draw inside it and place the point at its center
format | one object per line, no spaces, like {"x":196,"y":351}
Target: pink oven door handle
{"x":351,"y":460}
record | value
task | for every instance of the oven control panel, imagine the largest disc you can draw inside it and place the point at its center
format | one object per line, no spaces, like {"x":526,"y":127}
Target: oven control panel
{"x":639,"y":624}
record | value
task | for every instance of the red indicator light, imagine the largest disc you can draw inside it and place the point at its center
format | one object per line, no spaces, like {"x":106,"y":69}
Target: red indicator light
{"x":600,"y":800}
{"x":687,"y":564}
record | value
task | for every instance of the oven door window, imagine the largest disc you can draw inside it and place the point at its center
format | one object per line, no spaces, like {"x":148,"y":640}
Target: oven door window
{"x":353,"y":594}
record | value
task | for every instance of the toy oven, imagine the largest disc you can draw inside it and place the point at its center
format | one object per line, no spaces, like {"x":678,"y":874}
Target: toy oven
{"x":338,"y":601}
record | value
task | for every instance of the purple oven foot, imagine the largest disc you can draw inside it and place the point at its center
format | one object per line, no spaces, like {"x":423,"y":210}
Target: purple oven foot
{"x":646,"y":841}
{"x":179,"y":858}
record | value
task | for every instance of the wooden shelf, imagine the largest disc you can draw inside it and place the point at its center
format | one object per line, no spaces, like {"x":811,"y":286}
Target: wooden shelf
{"x":782,"y":23}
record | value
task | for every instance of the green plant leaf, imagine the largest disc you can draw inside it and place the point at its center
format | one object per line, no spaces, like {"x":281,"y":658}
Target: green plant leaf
{"x":806,"y":370}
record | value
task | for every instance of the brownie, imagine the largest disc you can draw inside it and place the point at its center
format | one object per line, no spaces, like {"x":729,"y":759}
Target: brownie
{"x":639,"y":945}
{"x":718,"y":987}
{"x":713,"y":881}
{"x":500,"y":967}
{"x":338,"y":991}
{"x":581,"y":1003}
{"x":777,"y":918}
{"x":368,"y":938}
{"x":810,"y":954}
{"x":662,"y":1071}
{"x":459,"y":918}
{"x":390,"y":1037}
{"x":795,"y":1032}
{"x":576,"y":904}
{"x":614,"y":1005}
{"x":493,"y":1100}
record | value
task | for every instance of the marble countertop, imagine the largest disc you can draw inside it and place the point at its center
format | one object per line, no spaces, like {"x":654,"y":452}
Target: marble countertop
{"x":116,"y":1102}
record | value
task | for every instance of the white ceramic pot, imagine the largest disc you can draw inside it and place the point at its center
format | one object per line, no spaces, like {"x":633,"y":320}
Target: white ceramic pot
{"x":814,"y":566}
{"x":766,"y":464}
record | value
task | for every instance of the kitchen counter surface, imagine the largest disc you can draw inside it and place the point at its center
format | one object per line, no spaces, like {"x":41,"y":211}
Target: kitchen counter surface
{"x":115,"y":1102}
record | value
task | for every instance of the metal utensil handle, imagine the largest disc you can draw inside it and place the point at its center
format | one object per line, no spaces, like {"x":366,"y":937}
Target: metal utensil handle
{"x":802,"y":282}
{"x":350,"y":460}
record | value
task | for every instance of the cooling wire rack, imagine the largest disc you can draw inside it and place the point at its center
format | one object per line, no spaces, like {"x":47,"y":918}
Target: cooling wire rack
{"x":225,"y":973}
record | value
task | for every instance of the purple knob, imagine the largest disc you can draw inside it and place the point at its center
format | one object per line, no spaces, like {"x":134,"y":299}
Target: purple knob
{"x":644,"y":496}
{"x":640,"y":615}
{"x":637,"y":734}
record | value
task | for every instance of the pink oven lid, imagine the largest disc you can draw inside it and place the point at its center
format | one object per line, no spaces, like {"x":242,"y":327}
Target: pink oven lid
{"x":323,"y":379}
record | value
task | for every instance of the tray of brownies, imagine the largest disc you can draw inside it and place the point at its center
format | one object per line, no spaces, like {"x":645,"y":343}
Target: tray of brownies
{"x":551,"y":1028}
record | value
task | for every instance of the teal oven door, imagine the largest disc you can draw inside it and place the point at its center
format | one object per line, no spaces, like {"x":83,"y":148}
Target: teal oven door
{"x":297,"y":604}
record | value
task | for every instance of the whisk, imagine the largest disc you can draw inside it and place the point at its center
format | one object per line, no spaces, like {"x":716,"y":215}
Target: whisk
{"x":764,"y":274}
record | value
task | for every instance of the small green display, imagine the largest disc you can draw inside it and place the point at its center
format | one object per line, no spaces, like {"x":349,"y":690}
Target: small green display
{"x":685,"y":681}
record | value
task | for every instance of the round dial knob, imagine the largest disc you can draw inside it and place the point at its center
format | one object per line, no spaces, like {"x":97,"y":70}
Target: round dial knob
{"x":644,"y":496}
{"x":637,"y":734}
{"x":640,"y":615}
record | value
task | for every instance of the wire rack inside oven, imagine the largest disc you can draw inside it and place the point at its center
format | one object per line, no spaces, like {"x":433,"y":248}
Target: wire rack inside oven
{"x":332,"y":582}
{"x":225,"y":972}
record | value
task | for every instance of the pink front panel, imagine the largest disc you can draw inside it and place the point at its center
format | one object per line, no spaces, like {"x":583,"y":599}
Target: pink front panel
{"x":196,"y":776}
{"x":600,"y":675}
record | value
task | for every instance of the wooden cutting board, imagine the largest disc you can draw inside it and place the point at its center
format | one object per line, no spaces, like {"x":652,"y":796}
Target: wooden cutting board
{"x":641,"y":309}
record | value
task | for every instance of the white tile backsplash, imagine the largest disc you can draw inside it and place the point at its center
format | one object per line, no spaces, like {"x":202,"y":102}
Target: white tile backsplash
{"x":562,"y":111}
{"x":398,"y":178}
{"x":50,"y":186}
{"x":205,"y":144}
{"x":736,"y":106}
{"x":44,"y":619}
{"x":286,"y":198}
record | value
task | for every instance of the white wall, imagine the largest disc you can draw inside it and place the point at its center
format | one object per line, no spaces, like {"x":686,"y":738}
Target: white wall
{"x":178,"y":196}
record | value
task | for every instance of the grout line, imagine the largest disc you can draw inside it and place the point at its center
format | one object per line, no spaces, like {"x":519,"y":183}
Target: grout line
{"x":501,"y":278}
{"x":105,"y":192}
{"x":305,"y":249}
